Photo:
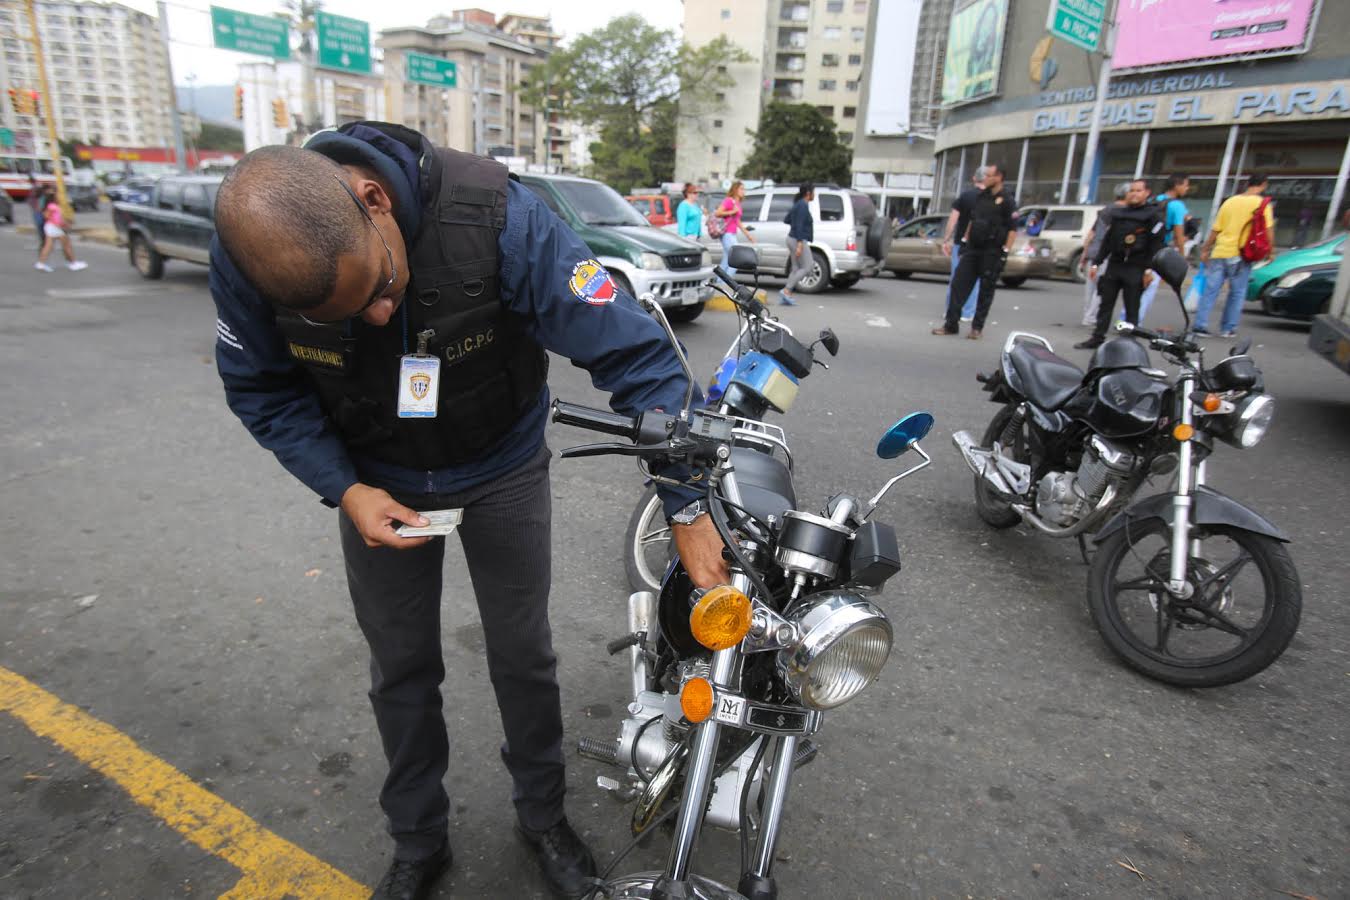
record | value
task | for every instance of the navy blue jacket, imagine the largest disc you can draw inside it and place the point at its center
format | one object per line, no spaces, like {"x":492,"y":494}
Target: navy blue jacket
{"x":622,"y":347}
{"x":801,"y":226}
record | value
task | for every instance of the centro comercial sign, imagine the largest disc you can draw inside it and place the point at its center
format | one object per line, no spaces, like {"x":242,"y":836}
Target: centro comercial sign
{"x":1194,"y":99}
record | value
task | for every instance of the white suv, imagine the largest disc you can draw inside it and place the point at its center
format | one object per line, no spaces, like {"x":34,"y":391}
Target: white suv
{"x":850,"y":240}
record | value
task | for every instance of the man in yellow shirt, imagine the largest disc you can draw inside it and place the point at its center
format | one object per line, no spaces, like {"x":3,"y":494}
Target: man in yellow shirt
{"x":1222,"y":255}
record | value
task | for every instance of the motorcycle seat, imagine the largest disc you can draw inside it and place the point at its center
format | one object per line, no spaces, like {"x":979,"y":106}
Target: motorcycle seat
{"x":765,"y":483}
{"x":1047,"y":380}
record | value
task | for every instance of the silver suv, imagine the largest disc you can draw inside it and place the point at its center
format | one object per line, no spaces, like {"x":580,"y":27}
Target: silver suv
{"x":850,"y":240}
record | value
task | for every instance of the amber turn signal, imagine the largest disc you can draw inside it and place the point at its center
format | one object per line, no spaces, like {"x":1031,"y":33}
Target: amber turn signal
{"x":1211,"y":403}
{"x":696,"y":699}
{"x":720,"y":618}
{"x":1183,"y":432}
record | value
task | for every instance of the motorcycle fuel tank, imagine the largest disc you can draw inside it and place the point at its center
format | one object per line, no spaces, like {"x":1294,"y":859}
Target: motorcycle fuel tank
{"x":1120,"y":404}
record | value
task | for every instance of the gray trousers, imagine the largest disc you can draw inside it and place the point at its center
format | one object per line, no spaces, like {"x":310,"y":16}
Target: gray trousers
{"x":798,"y":266}
{"x":397,"y":596}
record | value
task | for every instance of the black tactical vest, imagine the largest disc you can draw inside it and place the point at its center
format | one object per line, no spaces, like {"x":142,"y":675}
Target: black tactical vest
{"x":491,"y":370}
{"x":1134,"y":234}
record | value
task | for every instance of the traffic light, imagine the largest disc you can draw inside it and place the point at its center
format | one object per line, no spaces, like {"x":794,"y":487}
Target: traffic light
{"x":25,"y":103}
{"x":238,"y":101}
{"x":279,"y":117}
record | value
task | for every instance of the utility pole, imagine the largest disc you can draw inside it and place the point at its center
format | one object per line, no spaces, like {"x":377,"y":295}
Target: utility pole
{"x":173,"y":91}
{"x":53,"y":147}
{"x":1087,"y":183}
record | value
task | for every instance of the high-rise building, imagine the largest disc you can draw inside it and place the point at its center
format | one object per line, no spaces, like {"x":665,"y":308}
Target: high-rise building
{"x":273,"y":100}
{"x":107,"y":71}
{"x":801,"y":51}
{"x":483,"y":112}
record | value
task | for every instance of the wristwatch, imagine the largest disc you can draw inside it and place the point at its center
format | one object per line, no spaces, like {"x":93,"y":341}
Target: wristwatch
{"x":690,"y":512}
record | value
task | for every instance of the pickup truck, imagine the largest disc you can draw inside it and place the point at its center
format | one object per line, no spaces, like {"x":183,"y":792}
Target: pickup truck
{"x":176,"y":223}
{"x":1330,"y":337}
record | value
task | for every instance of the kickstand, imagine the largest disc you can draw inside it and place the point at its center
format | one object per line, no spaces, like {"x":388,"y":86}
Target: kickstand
{"x":1082,"y":548}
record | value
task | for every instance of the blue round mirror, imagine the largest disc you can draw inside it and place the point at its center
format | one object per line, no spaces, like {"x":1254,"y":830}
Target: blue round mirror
{"x":904,"y":434}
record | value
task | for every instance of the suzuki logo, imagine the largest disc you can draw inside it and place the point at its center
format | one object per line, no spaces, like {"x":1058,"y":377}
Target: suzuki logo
{"x":782,"y":720}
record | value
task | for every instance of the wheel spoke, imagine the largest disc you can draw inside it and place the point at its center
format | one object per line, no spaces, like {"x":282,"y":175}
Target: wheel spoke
{"x":1164,"y":625}
{"x":1143,"y":583}
{"x":654,"y":537}
{"x":1224,"y":576}
{"x":1219,"y":621}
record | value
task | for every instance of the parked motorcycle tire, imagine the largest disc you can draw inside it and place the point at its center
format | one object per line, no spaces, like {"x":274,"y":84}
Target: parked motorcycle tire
{"x":647,"y":543}
{"x":995,"y":512}
{"x":1218,"y":610}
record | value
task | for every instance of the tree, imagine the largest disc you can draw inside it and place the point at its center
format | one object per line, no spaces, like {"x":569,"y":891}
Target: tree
{"x":215,"y":136}
{"x":797,"y":142}
{"x":633,"y":81}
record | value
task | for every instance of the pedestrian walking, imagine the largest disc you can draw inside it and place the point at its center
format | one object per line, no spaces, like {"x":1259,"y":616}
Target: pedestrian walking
{"x":729,"y":227}
{"x":953,"y":239}
{"x":384,"y":308}
{"x":987,"y":240}
{"x":54,"y":232}
{"x":1133,"y":237}
{"x":689,"y":215}
{"x":1096,"y":234}
{"x":37,"y":193}
{"x":801,"y":232}
{"x":1240,"y":238}
{"x":1174,"y":229}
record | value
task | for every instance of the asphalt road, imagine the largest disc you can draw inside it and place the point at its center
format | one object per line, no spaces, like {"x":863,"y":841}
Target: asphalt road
{"x":164,"y":574}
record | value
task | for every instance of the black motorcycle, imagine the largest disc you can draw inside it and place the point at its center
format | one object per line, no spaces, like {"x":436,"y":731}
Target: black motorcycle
{"x":1189,"y":586}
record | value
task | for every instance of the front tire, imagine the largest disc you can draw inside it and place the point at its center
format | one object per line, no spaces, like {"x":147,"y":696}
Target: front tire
{"x":1076,"y":267}
{"x":647,"y":547}
{"x":1242,"y":615}
{"x":996,"y":512}
{"x":1015,"y":281}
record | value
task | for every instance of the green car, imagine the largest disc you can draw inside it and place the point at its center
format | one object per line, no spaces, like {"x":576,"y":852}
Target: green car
{"x":639,"y":258}
{"x":1268,"y":274}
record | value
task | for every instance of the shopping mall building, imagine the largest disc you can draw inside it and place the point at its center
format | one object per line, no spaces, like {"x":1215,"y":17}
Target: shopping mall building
{"x":1213,"y":90}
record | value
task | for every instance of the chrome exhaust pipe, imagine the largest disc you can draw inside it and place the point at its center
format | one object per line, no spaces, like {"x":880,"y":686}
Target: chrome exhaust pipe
{"x":1084,"y":525}
{"x":641,"y":620}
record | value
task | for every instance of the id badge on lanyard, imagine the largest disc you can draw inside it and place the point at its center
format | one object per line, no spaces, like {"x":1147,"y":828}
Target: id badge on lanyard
{"x":419,"y":381}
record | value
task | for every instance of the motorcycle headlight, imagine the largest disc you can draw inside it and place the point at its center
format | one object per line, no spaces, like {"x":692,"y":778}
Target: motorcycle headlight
{"x":843,"y":643}
{"x":1251,"y":420}
{"x":651,"y":261}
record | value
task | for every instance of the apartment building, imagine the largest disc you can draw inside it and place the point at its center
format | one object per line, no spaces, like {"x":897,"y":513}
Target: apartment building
{"x":801,"y":51}
{"x":107,"y":70}
{"x":483,"y":112}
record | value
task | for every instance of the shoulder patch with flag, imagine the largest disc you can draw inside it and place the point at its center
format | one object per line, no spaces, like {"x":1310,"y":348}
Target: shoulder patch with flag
{"x":591,"y":283}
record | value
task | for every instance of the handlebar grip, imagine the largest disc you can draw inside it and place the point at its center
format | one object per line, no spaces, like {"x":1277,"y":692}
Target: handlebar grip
{"x":601,"y":420}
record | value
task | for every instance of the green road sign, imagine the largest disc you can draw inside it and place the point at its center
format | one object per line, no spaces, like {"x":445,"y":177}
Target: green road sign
{"x":1077,"y":21}
{"x":343,"y":43}
{"x":247,"y":33}
{"x":432,"y":70}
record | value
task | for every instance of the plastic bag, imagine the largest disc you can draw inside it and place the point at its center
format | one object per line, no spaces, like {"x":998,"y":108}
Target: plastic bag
{"x":1197,"y":291}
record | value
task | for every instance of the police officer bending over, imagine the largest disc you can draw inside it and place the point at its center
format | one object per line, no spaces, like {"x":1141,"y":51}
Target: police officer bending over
{"x":384,"y":307}
{"x":1134,"y":235}
{"x":988,"y":238}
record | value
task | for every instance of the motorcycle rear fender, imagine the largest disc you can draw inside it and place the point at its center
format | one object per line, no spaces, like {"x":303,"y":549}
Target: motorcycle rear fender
{"x":997,"y":387}
{"x":1208,"y":507}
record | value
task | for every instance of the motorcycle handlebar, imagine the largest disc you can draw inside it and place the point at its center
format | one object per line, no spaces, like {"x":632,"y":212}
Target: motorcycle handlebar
{"x":740,"y":294}
{"x":595,"y":419}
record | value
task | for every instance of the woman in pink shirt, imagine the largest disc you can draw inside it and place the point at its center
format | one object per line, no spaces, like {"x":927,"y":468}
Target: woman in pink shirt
{"x":730,"y":211}
{"x":54,"y":228}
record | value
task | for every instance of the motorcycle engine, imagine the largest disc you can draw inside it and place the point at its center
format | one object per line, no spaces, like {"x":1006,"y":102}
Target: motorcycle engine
{"x":1063,"y":498}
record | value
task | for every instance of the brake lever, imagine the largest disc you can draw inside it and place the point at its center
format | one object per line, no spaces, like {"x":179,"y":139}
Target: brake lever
{"x":613,"y":449}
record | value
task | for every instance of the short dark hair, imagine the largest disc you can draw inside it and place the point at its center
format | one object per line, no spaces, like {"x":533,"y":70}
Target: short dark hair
{"x":1256,"y":179}
{"x":284,"y":220}
{"x":806,"y":187}
{"x":689,"y":186}
{"x":1177,"y":179}
{"x":991,"y":167}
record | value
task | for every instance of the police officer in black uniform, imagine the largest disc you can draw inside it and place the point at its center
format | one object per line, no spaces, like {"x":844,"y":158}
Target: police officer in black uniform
{"x":988,"y":238}
{"x":383,"y":311}
{"x":1134,"y":235}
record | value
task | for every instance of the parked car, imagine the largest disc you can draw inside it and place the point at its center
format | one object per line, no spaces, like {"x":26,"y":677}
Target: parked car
{"x":1301,"y":293}
{"x":1064,"y":227}
{"x":850,"y":239}
{"x":83,"y":196}
{"x":1266,"y":275}
{"x":177,"y":223}
{"x":916,"y":246}
{"x":639,"y":258}
{"x":658,"y":209}
{"x":6,"y":208}
{"x":132,"y":190}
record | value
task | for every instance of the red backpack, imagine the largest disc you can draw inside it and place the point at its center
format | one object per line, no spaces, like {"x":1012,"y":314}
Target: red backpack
{"x":1257,"y":246}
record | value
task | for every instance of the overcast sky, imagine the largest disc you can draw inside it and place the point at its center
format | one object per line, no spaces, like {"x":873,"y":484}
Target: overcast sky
{"x":190,"y":23}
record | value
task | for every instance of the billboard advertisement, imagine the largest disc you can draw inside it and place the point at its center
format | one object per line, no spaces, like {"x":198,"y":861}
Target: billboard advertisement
{"x":888,"y":86}
{"x":1154,"y":33}
{"x":974,"y":51}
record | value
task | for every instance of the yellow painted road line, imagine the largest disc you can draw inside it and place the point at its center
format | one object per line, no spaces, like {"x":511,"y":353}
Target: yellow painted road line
{"x":273,"y":868}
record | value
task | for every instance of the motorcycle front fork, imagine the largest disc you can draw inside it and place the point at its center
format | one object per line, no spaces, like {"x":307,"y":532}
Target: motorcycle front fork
{"x":1189,"y":476}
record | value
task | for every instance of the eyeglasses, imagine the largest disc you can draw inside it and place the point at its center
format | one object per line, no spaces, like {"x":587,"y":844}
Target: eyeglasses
{"x":393,"y":269}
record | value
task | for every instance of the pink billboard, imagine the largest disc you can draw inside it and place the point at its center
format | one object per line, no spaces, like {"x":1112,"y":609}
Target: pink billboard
{"x":1167,"y":32}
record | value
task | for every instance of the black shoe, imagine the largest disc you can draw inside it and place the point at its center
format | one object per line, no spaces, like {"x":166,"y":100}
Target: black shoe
{"x":409,"y":879}
{"x":566,"y":862}
{"x":1091,"y":343}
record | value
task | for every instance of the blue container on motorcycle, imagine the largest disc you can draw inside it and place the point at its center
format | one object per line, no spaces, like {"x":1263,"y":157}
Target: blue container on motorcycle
{"x":904,"y":434}
{"x":766,"y":379}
